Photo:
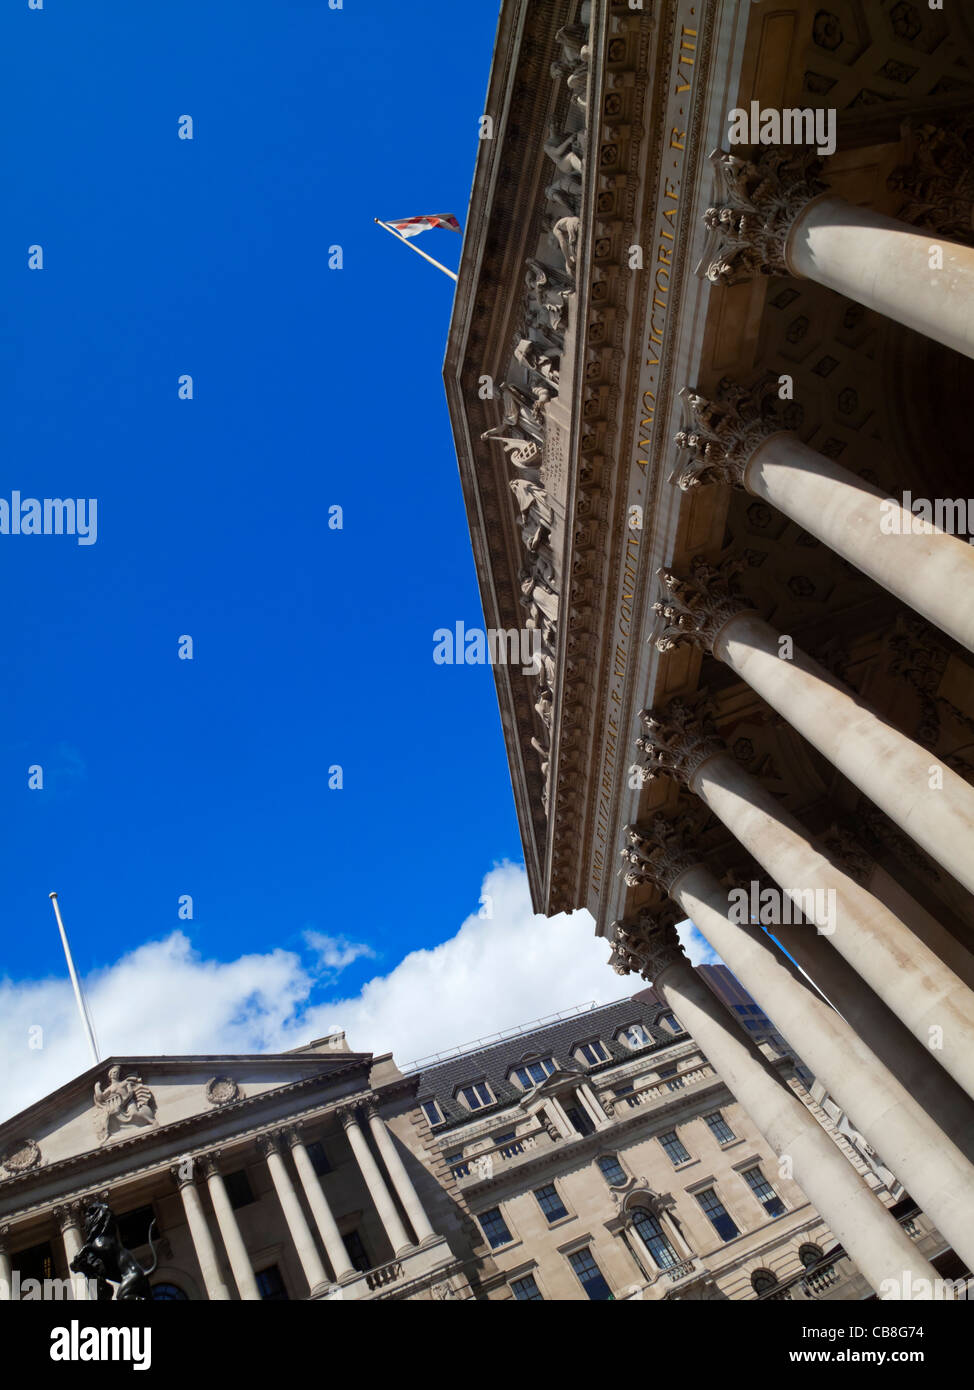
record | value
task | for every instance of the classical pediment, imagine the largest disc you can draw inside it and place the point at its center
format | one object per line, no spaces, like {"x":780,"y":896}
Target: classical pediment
{"x":151,"y":1098}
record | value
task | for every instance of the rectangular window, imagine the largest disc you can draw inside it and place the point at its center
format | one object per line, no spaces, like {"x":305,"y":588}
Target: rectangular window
{"x":719,"y":1127}
{"x":270,"y":1285}
{"x":550,"y":1203}
{"x":133,"y":1227}
{"x":432,"y":1112}
{"x":589,"y":1275}
{"x":356,"y":1251}
{"x":673,"y":1148}
{"x":718,"y":1215}
{"x":509,"y":1144}
{"x":668,"y":1074}
{"x":477,"y":1096}
{"x":526,"y":1290}
{"x":319,"y":1159}
{"x":534,"y":1072}
{"x":238,"y":1189}
{"x":580,"y":1119}
{"x":612,"y":1170}
{"x":635,"y":1035}
{"x":594,"y":1052}
{"x":494,"y":1228}
{"x":458,"y":1168}
{"x":654,"y":1238}
{"x":763,"y":1191}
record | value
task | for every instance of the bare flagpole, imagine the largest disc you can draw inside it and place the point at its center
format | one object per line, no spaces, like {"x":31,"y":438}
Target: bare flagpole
{"x":406,"y":242}
{"x":76,"y":984}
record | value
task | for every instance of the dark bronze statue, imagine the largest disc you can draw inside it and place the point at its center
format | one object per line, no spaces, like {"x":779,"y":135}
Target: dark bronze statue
{"x":103,"y":1257}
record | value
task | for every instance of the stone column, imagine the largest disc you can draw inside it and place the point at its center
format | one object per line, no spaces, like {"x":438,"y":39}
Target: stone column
{"x":775,"y":216}
{"x":6,"y":1272}
{"x":559,"y":1119}
{"x":935,"y":1005}
{"x":69,"y":1218}
{"x":330,"y":1235}
{"x":732,"y":440}
{"x":374,"y":1181}
{"x":243,"y":1270}
{"x":401,"y":1180}
{"x":270,"y":1146}
{"x":590,"y":1103}
{"x":892,"y":770}
{"x":182,"y":1175}
{"x":873,"y":1238}
{"x":937,"y":1174}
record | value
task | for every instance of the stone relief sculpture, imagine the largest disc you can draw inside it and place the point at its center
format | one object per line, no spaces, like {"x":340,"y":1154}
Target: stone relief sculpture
{"x":532,"y":380}
{"x":124,"y":1101}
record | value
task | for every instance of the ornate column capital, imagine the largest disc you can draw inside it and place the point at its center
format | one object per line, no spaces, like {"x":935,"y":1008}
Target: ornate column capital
{"x":68,"y":1214}
{"x":661,"y":852}
{"x":348,"y":1113}
{"x":647,"y":943}
{"x":719,"y":437}
{"x":696,"y":608}
{"x":271,"y":1143}
{"x":183,"y":1173}
{"x":756,"y":205}
{"x":4,"y":1237}
{"x":293,"y":1134}
{"x":370,"y":1107}
{"x":937,"y":178}
{"x":678,"y":739}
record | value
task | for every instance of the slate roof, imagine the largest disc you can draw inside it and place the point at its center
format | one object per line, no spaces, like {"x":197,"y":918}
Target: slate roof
{"x":553,"y":1040}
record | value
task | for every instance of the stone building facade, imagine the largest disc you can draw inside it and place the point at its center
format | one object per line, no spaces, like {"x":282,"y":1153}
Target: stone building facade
{"x":707,"y":370}
{"x":597,"y":1157}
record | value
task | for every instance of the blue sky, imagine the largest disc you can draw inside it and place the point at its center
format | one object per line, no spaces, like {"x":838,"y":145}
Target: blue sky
{"x":312,"y":388}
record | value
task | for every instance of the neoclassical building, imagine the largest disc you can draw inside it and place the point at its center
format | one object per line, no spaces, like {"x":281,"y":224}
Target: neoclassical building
{"x":289,"y":1176}
{"x":708,"y":370}
{"x":597,"y":1156}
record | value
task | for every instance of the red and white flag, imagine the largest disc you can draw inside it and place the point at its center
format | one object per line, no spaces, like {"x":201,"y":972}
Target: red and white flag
{"x":412,"y":226}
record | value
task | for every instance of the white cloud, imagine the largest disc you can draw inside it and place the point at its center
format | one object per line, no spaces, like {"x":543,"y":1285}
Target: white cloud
{"x":497,"y":972}
{"x":698,"y":949}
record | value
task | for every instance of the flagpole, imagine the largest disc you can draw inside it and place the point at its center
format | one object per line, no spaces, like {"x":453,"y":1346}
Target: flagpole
{"x":79,"y":997}
{"x":406,"y":242}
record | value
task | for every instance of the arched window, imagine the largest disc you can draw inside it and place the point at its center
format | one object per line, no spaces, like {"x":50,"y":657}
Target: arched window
{"x":763,"y":1281}
{"x":652,"y":1235}
{"x":168,"y":1292}
{"x":810,"y":1255}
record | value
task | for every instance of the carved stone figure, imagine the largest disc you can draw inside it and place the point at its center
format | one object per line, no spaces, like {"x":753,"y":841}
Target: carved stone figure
{"x":565,"y":232}
{"x":532,"y":500}
{"x":103,"y":1257}
{"x":533,"y":356}
{"x":549,"y":291}
{"x":125,"y":1100}
{"x":563,"y":148}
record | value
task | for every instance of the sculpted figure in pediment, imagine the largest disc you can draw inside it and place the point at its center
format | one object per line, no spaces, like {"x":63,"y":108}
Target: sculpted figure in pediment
{"x":124,"y":1101}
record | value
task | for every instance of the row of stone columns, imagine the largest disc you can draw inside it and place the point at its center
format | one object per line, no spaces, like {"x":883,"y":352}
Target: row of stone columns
{"x":870,"y":1235}
{"x":273,"y":1146}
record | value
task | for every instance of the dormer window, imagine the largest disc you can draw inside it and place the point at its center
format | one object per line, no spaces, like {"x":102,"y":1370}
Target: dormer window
{"x":432,"y":1111}
{"x":670,"y":1022}
{"x":635,"y":1036}
{"x":533,"y":1072}
{"x":592,"y":1053}
{"x":478,"y":1095}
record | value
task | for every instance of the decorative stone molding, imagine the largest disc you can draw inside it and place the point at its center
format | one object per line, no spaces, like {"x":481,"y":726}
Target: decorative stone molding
{"x":648,"y":952}
{"x":21,"y":1156}
{"x":698,"y":607}
{"x":220,"y":1090}
{"x":756,"y":205}
{"x":183,"y":1174}
{"x":678,"y":739}
{"x":660,"y":853}
{"x":210,"y":1162}
{"x":720,"y":437}
{"x":348,"y":1113}
{"x":4,"y":1237}
{"x":68,"y":1215}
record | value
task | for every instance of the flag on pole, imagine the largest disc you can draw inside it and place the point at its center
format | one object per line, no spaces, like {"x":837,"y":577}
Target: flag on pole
{"x":412,"y":226}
